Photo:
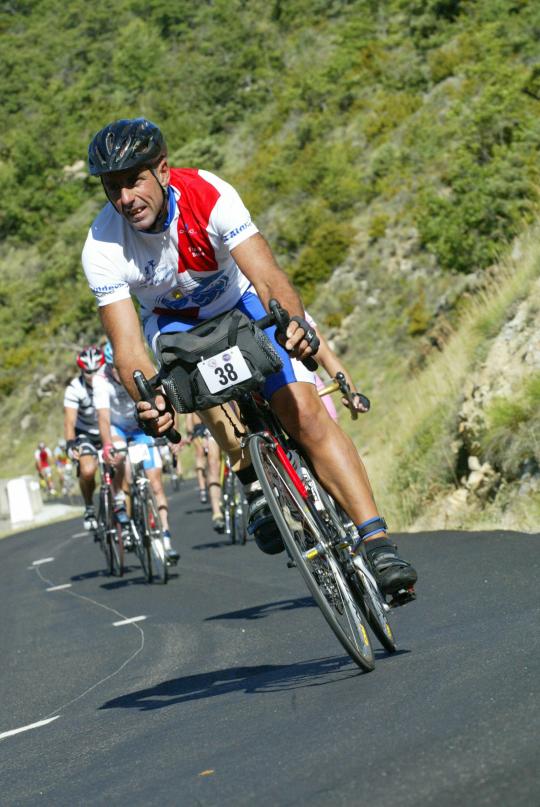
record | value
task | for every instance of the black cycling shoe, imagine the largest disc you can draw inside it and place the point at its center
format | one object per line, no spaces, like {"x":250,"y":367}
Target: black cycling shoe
{"x":262,"y":526}
{"x":392,"y":573}
{"x":218,"y":524}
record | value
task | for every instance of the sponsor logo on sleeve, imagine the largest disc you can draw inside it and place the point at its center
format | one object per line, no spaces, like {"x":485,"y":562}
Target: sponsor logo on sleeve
{"x":103,"y":291}
{"x":237,"y":230}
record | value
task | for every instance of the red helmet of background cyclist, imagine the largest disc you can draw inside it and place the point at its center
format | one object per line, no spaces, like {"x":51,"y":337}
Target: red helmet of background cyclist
{"x":91,"y":359}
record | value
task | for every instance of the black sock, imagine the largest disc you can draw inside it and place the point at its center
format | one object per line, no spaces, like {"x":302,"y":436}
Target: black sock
{"x":247,"y":475}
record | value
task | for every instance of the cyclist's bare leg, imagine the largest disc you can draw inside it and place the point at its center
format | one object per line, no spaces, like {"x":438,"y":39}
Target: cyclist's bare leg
{"x":214,"y":487}
{"x":332,"y":452}
{"x":221,"y":426}
{"x":200,"y":464}
{"x":87,"y":474}
{"x":156,"y":481}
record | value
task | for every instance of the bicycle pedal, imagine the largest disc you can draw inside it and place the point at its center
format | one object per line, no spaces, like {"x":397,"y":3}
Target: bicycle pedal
{"x":402,"y":597}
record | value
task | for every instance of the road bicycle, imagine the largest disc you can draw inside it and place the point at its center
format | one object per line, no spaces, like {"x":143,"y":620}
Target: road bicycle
{"x":234,"y":505}
{"x":319,"y":537}
{"x":108,"y":532}
{"x":145,"y":528}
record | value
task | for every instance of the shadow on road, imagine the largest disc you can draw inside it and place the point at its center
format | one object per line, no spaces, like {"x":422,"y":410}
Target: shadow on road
{"x":251,"y":680}
{"x":212,"y":545}
{"x":118,"y":582}
{"x":122,"y":582}
{"x":260,"y":611}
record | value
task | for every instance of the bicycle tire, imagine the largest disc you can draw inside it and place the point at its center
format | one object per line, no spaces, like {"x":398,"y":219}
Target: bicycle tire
{"x":117,"y":549}
{"x":322,"y":574}
{"x":228,"y":508}
{"x":142,"y":546}
{"x":363,"y":586}
{"x":240,"y":513}
{"x":105,"y":514}
{"x":158,"y":561}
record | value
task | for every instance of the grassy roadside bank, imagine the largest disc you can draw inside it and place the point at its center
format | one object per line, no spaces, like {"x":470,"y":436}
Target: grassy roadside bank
{"x":408,"y":439}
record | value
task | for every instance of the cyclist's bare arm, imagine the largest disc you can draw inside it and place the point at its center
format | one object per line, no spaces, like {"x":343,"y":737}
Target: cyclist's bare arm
{"x":121,"y":324}
{"x":70,"y":419}
{"x":331,"y":363}
{"x":104,"y":425}
{"x":257,"y":263}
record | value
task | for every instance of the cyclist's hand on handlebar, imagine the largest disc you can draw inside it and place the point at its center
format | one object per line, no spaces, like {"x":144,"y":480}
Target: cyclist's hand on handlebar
{"x":359,"y":403}
{"x":109,"y":455}
{"x":72,"y":450}
{"x":301,"y":340}
{"x":155,"y":421}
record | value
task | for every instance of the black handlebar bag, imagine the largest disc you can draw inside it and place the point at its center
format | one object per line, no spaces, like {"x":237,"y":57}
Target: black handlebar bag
{"x":236,"y":356}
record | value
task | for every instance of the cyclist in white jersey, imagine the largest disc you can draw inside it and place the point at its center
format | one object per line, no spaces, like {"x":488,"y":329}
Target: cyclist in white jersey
{"x":117,"y":420}
{"x":80,"y":426}
{"x":183,"y":243}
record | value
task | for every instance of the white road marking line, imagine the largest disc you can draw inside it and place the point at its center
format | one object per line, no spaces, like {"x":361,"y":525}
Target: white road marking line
{"x":59,"y":588}
{"x":43,"y":560}
{"x":81,"y":534}
{"x":129,"y":621}
{"x":118,"y":669}
{"x":27,"y":728}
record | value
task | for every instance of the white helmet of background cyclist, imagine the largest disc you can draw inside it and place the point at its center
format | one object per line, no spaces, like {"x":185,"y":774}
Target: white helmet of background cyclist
{"x":91,"y":359}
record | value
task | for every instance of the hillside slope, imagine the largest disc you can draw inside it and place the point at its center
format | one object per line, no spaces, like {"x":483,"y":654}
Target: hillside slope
{"x":389,"y":151}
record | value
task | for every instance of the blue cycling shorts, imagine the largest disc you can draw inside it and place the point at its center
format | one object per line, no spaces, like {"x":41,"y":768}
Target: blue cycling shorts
{"x":137,"y":436}
{"x":250,"y":305}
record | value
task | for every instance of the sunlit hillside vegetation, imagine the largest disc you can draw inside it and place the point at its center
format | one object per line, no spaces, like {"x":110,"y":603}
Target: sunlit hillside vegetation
{"x":335,"y":119}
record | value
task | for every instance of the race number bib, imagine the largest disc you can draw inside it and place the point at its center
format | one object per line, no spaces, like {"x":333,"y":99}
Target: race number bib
{"x":224,"y":370}
{"x":138,"y":452}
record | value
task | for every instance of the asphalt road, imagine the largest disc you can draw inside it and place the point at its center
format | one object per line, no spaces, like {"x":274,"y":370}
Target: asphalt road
{"x":233,"y":691}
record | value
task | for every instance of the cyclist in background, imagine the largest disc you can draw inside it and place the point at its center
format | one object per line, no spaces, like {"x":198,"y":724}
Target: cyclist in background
{"x":80,"y":427}
{"x":117,"y":421}
{"x":333,"y":365}
{"x":43,"y":460}
{"x":207,"y":466}
{"x":63,"y":464}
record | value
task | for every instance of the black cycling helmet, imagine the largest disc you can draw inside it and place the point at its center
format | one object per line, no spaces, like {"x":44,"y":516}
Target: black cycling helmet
{"x":124,"y":144}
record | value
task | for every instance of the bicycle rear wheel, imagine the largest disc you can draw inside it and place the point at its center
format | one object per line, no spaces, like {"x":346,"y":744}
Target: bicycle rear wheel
{"x":310,"y":548}
{"x":158,"y":564}
{"x":228,"y":508}
{"x":240,"y":513}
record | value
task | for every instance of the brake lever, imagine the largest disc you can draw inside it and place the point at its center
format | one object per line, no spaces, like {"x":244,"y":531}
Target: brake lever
{"x":346,"y":392}
{"x":146,"y":391}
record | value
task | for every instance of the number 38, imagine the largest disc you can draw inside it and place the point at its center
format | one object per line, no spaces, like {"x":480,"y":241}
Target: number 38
{"x":226,"y":374}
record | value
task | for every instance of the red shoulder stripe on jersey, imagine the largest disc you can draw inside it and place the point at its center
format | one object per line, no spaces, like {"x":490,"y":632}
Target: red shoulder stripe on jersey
{"x":197,"y":200}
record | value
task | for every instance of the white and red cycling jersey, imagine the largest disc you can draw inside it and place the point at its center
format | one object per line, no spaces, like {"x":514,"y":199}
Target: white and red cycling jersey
{"x":43,"y":458}
{"x":185,"y":271}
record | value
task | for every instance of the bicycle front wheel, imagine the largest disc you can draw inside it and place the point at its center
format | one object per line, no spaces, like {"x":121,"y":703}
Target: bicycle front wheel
{"x":363,"y":585}
{"x":151,"y":549}
{"x":105,"y":524}
{"x":312,"y":552}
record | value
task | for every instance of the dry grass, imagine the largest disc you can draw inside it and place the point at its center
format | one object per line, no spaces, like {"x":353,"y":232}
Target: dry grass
{"x":407,"y":446}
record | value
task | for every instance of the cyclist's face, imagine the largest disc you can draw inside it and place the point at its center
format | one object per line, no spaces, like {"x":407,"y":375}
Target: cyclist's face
{"x":137,"y":195}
